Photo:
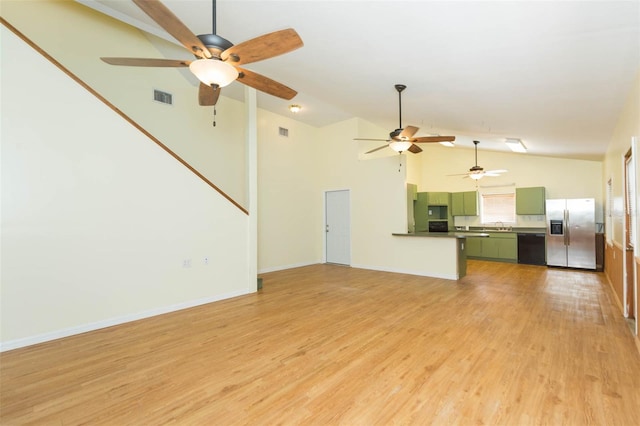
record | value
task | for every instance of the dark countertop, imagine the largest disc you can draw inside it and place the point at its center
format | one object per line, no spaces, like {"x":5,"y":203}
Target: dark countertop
{"x":452,"y":234}
{"x":512,"y":230}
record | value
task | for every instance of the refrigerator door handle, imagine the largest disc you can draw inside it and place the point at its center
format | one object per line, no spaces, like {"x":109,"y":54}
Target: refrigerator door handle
{"x":567,"y":229}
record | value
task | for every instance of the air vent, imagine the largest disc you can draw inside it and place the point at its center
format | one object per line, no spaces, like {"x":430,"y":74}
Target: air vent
{"x":162,"y":97}
{"x":283,"y":132}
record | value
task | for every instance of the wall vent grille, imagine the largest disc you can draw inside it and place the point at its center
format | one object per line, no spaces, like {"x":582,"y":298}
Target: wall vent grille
{"x":283,"y":132}
{"x":162,"y":97}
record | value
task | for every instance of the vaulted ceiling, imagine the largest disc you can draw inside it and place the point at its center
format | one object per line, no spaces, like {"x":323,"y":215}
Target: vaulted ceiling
{"x":554,"y":74}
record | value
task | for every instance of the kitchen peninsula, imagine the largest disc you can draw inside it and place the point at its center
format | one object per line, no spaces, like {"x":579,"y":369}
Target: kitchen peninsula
{"x":436,"y":254}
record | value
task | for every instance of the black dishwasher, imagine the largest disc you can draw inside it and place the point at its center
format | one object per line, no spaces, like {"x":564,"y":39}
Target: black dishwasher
{"x":531,"y":249}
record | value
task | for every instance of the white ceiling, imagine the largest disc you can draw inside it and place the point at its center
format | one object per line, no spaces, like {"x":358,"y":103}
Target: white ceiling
{"x":555,"y":74}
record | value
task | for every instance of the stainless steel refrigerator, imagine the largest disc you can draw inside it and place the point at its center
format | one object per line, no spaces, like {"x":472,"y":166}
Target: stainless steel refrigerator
{"x":571,"y":233}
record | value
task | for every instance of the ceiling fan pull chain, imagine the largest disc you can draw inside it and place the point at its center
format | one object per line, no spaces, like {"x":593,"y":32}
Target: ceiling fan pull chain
{"x":400,"y":159}
{"x":214,"y":116}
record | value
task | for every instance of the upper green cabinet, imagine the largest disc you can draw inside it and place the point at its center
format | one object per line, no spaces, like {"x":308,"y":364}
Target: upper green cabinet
{"x":438,"y":198}
{"x":464,"y":203}
{"x":530,"y":200}
{"x":421,"y":212}
{"x":412,"y":191}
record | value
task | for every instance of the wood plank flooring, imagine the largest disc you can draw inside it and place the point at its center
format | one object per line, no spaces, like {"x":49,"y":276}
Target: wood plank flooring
{"x":331,"y":345}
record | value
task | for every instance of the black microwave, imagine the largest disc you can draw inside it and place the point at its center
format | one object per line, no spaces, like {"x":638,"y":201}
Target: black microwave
{"x":438,"y":226}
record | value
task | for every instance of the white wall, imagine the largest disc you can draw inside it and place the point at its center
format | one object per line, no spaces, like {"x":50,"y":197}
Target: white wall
{"x":78,"y":36}
{"x":96,"y":219}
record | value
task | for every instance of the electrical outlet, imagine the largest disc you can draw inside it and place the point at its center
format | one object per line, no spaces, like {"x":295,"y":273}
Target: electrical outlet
{"x":205,"y":260}
{"x":430,"y":212}
{"x":186,"y":263}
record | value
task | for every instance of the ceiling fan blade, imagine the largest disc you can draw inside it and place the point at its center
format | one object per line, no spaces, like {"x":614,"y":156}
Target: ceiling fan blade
{"x":263,"y":47}
{"x":376,"y":149}
{"x":207,"y":95}
{"x":408,"y":132}
{"x":146,"y":62}
{"x":368,"y":139}
{"x":415,"y":149}
{"x":265,"y":84}
{"x":171,"y":24}
{"x":423,"y":139}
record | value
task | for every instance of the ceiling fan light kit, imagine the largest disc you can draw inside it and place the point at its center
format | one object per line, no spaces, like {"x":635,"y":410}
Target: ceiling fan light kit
{"x":214,"y":72}
{"x":295,"y":108}
{"x":400,"y":146}
{"x":217,"y":59}
{"x":516,"y":145}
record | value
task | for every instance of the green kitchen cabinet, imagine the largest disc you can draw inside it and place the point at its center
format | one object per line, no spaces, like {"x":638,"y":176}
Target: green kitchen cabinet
{"x":412,"y":191}
{"x":500,"y":246}
{"x":509,"y":249}
{"x":457,"y":204}
{"x":438,"y":198}
{"x":470,"y":203}
{"x":491,"y":248}
{"x":464,"y":203}
{"x":530,"y":200}
{"x":421,"y":212}
{"x":462,"y":257}
{"x":474,"y":246}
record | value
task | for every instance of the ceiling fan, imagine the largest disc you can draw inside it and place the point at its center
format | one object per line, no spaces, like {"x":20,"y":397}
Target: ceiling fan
{"x":476,"y":172}
{"x":401,"y":139}
{"x":217,"y":59}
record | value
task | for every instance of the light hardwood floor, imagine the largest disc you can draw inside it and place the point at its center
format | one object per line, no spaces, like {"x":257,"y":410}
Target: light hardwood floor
{"x":506,"y":345}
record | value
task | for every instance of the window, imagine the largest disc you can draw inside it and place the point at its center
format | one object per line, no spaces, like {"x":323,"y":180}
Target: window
{"x":498,"y":208}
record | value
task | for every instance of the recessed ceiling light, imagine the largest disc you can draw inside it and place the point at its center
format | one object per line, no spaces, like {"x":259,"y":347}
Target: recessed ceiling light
{"x":516,"y":145}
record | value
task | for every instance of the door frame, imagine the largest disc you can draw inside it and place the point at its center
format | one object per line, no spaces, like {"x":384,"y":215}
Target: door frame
{"x":324,"y":224}
{"x":630,"y":308}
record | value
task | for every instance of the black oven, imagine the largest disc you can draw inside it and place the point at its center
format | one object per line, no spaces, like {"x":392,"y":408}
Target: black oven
{"x":438,"y":226}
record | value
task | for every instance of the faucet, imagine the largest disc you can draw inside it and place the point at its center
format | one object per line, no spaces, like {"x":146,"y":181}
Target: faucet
{"x":500,"y":225}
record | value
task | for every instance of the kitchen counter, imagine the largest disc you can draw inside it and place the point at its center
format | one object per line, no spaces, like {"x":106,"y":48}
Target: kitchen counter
{"x":433,"y":254}
{"x":513,"y":230}
{"x":452,"y":234}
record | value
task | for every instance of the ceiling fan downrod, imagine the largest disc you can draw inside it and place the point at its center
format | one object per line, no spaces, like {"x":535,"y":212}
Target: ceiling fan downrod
{"x":213,"y":16}
{"x":476,"y":146}
{"x":400,"y":88}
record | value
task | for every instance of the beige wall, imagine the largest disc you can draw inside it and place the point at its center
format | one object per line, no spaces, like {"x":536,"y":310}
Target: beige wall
{"x":289,"y":195}
{"x":96,"y":219}
{"x":627,"y":128}
{"x":78,"y":36}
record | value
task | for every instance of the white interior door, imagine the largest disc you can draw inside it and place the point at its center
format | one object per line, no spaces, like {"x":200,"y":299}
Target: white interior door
{"x":338,"y":227}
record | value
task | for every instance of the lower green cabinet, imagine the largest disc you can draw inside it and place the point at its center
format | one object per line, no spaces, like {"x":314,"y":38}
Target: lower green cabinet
{"x":474,"y":246}
{"x":498,"y":246}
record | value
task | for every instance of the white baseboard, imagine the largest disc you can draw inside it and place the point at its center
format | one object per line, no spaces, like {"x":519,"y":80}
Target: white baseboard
{"x":282,"y":268}
{"x":404,"y":271}
{"x":59,"y":334}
